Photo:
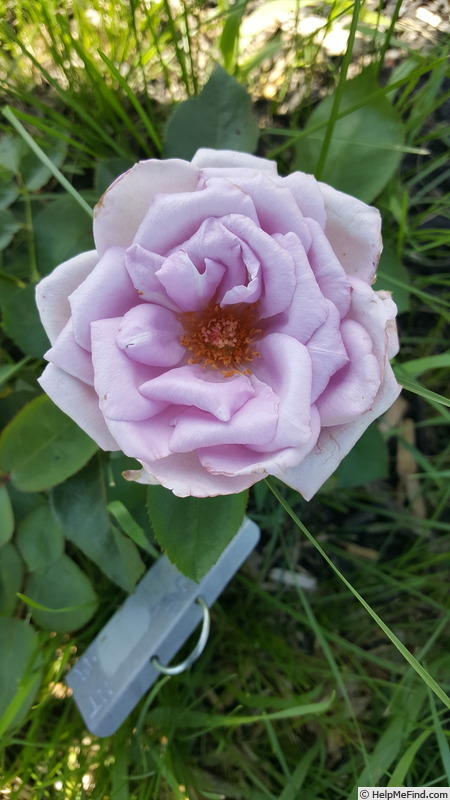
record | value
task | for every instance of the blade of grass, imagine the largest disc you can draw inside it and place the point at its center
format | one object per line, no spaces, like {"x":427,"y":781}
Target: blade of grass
{"x":388,"y":35}
{"x":416,"y":388}
{"x":417,"y":667}
{"x":131,"y":527}
{"x":134,"y":101}
{"x":339,"y":92}
{"x":9,"y":114}
{"x":298,"y":777}
{"x":51,"y":130}
{"x":180,"y":56}
{"x":441,"y":738}
{"x":68,"y":97}
{"x":399,"y":774}
{"x":296,"y":135}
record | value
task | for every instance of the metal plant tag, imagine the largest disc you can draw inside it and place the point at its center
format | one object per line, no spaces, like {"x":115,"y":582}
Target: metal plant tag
{"x":130,"y":652}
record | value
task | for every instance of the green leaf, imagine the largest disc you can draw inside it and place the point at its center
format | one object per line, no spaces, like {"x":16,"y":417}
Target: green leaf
{"x":129,"y":525}
{"x":19,"y":671}
{"x":11,"y":149}
{"x":61,"y":585}
{"x":40,"y":539}
{"x":9,"y":225}
{"x":62,"y":230}
{"x":8,"y":191}
{"x":6,"y":516}
{"x":7,"y":371}
{"x":220,"y":117}
{"x":41,"y":446}
{"x":391,"y":266}
{"x":367,"y":461}
{"x":11,"y":575}
{"x":80,"y":508}
{"x":366,"y":146}
{"x":22,"y":323}
{"x":34,"y":173}
{"x":8,"y":287}
{"x":194,"y":531}
{"x":24,"y":502}
{"x":417,"y":366}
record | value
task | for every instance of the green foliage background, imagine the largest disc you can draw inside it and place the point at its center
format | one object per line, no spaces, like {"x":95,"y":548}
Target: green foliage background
{"x":300,"y":692}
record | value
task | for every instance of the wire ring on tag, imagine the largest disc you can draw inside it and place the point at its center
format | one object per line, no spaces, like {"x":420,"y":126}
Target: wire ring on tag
{"x":197,"y":651}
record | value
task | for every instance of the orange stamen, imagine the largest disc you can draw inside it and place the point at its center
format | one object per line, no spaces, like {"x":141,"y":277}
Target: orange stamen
{"x":221,"y":338}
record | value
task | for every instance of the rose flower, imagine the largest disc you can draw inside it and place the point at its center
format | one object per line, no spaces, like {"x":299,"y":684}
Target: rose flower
{"x":225,"y":328}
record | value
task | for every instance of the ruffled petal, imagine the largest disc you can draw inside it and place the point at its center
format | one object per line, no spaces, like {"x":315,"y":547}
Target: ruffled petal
{"x":354,"y":232}
{"x":285,"y":366}
{"x":278,"y":268}
{"x":276,"y":207}
{"x":186,"y":286}
{"x":335,"y":442}
{"x":80,"y":402}
{"x":205,"y":390}
{"x":174,"y":218}
{"x":52,"y":292}
{"x":122,"y":208}
{"x":69,"y":356}
{"x":376,"y":311}
{"x":307,"y":194}
{"x":106,"y":292}
{"x":142,"y":266}
{"x":117,"y":377}
{"x":308,"y":308}
{"x":146,"y":439}
{"x":351,"y":391}
{"x":254,"y":423}
{"x":240,"y":460}
{"x":184,"y":476}
{"x":329,"y":272}
{"x":327,"y":351}
{"x":151,"y":335}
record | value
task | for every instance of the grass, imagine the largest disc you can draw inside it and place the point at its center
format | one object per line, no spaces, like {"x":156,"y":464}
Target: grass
{"x":300,"y":692}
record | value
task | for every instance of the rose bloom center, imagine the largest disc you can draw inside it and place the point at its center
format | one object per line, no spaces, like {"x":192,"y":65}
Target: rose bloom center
{"x":222,"y":338}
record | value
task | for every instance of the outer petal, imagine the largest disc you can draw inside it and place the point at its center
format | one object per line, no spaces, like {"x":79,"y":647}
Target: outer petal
{"x":206,"y":157}
{"x":352,"y":390}
{"x":106,"y":292}
{"x":376,"y":311}
{"x":354,"y":232}
{"x":240,"y":460}
{"x":122,"y":208}
{"x":307,"y":194}
{"x":147,"y":439}
{"x":78,"y":401}
{"x":184,"y":476}
{"x":334,"y":443}
{"x":53,"y":291}
{"x":69,"y":356}
{"x":327,"y":352}
{"x":328,"y":271}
